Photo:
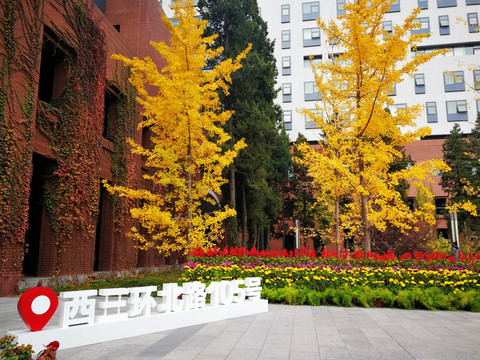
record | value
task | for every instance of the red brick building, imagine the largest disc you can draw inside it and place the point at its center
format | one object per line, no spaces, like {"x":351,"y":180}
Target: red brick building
{"x":66,"y":109}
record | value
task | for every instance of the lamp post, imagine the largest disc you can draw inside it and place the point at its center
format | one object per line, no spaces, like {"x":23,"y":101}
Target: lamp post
{"x":455,"y":239}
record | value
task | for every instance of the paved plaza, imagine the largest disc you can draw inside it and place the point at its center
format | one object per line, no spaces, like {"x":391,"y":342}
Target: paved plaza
{"x":294,"y":332}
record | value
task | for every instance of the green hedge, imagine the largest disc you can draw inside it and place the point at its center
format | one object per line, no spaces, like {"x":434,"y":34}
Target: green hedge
{"x":416,"y":298}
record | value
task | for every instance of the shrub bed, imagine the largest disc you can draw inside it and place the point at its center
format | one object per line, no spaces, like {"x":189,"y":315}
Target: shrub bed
{"x":421,"y":280}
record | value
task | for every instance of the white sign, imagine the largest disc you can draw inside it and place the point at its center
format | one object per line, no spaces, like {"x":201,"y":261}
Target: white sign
{"x":91,"y":316}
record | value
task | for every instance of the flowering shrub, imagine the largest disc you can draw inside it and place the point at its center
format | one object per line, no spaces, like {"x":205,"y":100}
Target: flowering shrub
{"x":321,"y":277}
{"x":425,"y":280}
{"x":253,"y":256}
{"x":10,"y":349}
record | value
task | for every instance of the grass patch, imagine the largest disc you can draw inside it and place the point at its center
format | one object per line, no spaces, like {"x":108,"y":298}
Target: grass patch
{"x":144,"y":279}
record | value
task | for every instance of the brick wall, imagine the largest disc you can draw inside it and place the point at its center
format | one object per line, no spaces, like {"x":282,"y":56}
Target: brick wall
{"x":139,"y":23}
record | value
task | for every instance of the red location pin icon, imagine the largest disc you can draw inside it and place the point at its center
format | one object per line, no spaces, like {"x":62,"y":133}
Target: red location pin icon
{"x":36,"y":307}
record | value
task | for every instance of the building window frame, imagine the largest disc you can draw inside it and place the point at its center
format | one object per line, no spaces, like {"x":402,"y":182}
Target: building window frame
{"x":395,"y":7}
{"x":444,"y":24}
{"x":419,"y":80}
{"x":454,"y":81}
{"x":457,"y":110}
{"x":285,"y":13}
{"x":286,"y":39}
{"x":476,"y":79}
{"x":431,"y":110}
{"x":287,"y":92}
{"x":395,"y":107}
{"x":307,"y":62}
{"x":310,"y":91}
{"x":424,"y":25}
{"x":472,"y":22}
{"x":286,"y":65}
{"x":446,"y":3}
{"x":423,"y":4}
{"x":340,"y":9}
{"x":287,"y":119}
{"x":393,"y":90}
{"x":311,"y":37}
{"x":310,"y":10}
{"x":387,"y":26}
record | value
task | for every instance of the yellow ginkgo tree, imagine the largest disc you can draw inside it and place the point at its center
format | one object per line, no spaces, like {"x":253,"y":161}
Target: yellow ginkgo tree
{"x":360,"y":136}
{"x":182,"y":111}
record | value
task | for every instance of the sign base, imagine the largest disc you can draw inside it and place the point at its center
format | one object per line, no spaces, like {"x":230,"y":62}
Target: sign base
{"x":79,"y":335}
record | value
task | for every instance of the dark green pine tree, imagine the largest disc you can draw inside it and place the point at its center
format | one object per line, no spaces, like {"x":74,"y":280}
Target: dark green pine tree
{"x":462,"y":154}
{"x":254,"y":177}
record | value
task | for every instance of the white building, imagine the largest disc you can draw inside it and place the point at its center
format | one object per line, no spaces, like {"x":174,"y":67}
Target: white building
{"x":292,"y":24}
{"x":453,"y":24}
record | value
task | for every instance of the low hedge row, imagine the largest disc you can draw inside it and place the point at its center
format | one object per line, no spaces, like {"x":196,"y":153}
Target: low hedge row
{"x":415,"y":298}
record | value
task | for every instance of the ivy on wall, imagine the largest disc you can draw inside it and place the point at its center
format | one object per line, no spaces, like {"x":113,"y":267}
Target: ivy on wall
{"x":20,"y":26}
{"x":73,"y":125}
{"x":123,"y":167}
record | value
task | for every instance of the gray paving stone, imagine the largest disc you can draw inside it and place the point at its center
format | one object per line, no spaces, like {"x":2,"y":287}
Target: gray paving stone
{"x":330,"y":341}
{"x":275,"y":351}
{"x":292,"y":332}
{"x":243,"y":354}
{"x":302,"y":355}
{"x":337,"y":353}
{"x":218,"y":347}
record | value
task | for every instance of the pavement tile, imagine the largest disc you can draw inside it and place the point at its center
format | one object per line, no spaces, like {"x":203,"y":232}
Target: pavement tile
{"x":242,"y":354}
{"x":302,"y":355}
{"x":294,"y":332}
{"x":337,"y":353}
{"x":275,"y":351}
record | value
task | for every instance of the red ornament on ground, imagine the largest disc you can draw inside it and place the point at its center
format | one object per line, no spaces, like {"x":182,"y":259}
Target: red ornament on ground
{"x":36,"y":307}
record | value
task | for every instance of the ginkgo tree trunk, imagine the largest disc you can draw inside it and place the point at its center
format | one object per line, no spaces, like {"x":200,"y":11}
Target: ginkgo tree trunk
{"x":360,"y":136}
{"x":181,"y":109}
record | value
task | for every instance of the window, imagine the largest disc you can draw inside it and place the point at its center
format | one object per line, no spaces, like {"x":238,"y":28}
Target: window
{"x":387,"y":26}
{"x":286,"y":13}
{"x":457,"y":110}
{"x":286,"y":65}
{"x":446,"y":3}
{"x":53,"y":68}
{"x":431,"y":108}
{"x":286,"y":39}
{"x":440,"y":204}
{"x":395,"y":107}
{"x":101,"y":4}
{"x":395,"y":7}
{"x":473,"y":2}
{"x":393,"y":90}
{"x":287,"y":92}
{"x":472,"y":22}
{"x":311,"y":10}
{"x":454,"y":81}
{"x":424,"y":26}
{"x":419,"y":83}
{"x":476,"y":79}
{"x":444,"y":25}
{"x":423,"y":4}
{"x":472,"y":48}
{"x":311,"y":91}
{"x":311,"y":37}
{"x":340,"y":9}
{"x":311,"y":60}
{"x":110,"y":114}
{"x":287,"y":119}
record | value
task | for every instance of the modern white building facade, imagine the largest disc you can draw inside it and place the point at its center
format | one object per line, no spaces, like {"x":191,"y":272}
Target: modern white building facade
{"x":453,"y":24}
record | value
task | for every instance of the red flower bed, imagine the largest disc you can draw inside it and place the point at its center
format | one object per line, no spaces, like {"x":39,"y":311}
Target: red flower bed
{"x":344,"y":256}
